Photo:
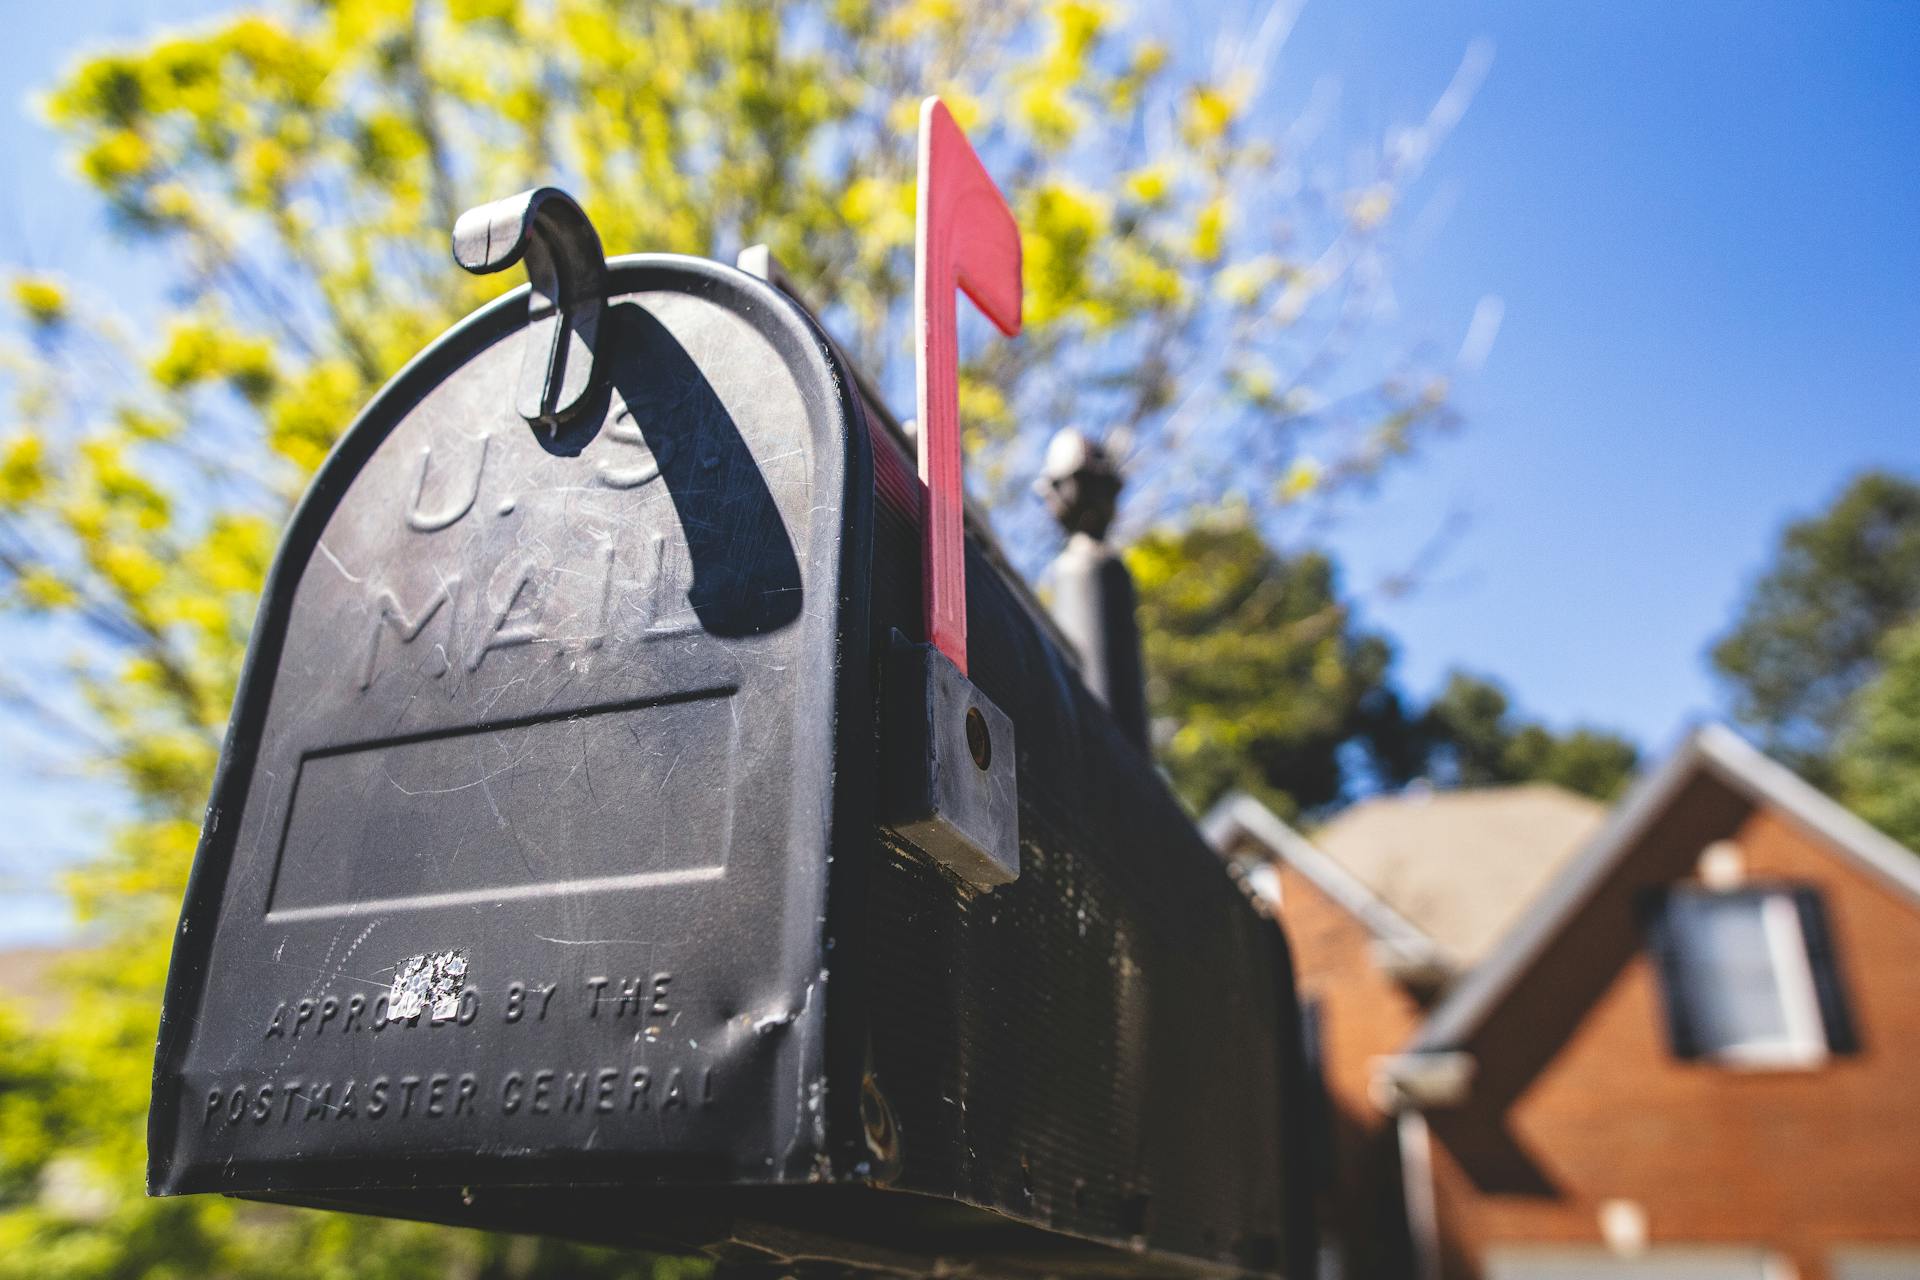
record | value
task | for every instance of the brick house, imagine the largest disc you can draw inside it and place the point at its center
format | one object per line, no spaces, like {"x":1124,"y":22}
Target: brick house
{"x":1682,"y":1046}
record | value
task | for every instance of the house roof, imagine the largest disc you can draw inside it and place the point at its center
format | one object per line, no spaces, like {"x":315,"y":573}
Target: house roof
{"x":1713,"y":750}
{"x":1464,"y":867}
{"x":1240,"y":815}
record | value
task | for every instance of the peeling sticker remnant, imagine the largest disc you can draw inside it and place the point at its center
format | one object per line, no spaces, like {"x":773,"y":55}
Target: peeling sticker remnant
{"x":428,"y":983}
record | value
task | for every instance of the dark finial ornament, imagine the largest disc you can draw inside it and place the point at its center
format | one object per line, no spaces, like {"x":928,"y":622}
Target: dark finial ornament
{"x":1080,"y":483}
{"x":1093,"y":596}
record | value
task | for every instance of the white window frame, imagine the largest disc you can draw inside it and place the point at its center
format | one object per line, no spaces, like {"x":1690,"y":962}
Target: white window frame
{"x":1875,"y":1262}
{"x":1711,"y":1262}
{"x":1804,"y":1043}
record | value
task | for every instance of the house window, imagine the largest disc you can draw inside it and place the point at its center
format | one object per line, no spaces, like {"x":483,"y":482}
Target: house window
{"x":1749,"y":976}
{"x":1675,"y":1263}
{"x":1876,"y":1263}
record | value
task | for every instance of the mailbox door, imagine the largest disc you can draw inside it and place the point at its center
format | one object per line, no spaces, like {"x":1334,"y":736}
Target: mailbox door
{"x":516,"y":865}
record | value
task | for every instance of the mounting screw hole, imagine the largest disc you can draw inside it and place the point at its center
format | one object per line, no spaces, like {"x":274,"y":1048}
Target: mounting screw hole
{"x":979,"y":742}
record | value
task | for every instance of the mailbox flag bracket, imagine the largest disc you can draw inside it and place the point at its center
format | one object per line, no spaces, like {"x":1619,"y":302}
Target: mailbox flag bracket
{"x":948,"y":784}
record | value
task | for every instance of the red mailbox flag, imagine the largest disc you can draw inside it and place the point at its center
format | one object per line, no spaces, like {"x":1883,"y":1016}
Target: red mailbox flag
{"x":964,"y":237}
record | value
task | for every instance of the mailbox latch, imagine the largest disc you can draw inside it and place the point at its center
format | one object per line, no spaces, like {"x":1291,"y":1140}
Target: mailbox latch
{"x":568,"y":272}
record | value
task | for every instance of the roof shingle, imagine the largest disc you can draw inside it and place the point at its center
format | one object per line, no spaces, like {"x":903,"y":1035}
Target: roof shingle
{"x":1462,"y":866}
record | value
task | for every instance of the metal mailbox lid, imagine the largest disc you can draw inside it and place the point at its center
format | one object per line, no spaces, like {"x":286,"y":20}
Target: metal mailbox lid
{"x":543,"y":724}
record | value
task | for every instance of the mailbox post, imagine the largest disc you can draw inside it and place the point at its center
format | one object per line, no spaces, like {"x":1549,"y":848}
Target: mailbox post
{"x":598,"y":848}
{"x":1093,"y":595}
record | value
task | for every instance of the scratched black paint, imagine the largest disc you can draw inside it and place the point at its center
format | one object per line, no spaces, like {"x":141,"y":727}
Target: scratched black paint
{"x":594,"y":705}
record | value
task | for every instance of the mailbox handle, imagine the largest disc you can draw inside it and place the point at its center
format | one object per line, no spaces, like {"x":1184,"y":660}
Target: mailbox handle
{"x":568,"y":274}
{"x":965,"y":238}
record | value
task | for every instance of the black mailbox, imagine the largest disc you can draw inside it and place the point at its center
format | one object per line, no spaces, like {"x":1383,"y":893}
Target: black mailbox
{"x":550,"y":880}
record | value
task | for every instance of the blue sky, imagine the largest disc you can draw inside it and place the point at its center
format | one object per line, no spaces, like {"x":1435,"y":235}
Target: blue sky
{"x":1700,"y":220}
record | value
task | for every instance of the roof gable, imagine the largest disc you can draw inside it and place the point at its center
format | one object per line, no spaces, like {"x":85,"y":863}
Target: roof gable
{"x":1465,"y":866}
{"x":1713,"y":752}
{"x":1240,"y":814}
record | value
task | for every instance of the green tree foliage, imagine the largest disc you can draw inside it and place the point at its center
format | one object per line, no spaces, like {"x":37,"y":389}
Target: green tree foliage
{"x":1262,"y":681}
{"x":1810,"y":633}
{"x":295,"y":172}
{"x":1474,"y":739}
{"x":1877,"y":755}
{"x":1257,"y":676}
